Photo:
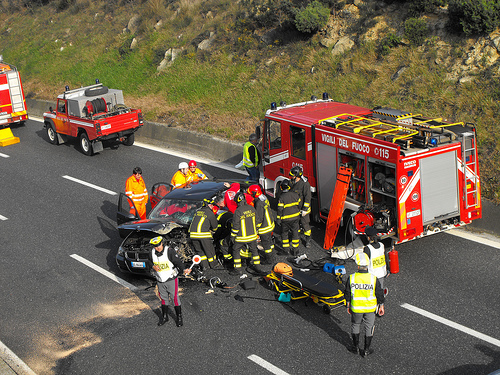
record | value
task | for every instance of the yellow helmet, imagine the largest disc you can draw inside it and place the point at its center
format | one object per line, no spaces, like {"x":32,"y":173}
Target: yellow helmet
{"x":156,"y":241}
{"x":361,"y":259}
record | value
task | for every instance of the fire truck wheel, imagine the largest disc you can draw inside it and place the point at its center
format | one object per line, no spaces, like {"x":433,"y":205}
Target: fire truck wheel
{"x":94,"y":91}
{"x":51,"y":133}
{"x":327,"y":309}
{"x":85,"y":144}
{"x":130,"y":140}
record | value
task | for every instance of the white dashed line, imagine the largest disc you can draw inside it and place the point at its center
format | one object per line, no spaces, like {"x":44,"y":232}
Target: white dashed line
{"x":90,"y":185}
{"x":14,"y":362}
{"x":4,"y":155}
{"x":3,"y":217}
{"x":451,"y":324}
{"x":102,"y":271}
{"x":268,"y":366}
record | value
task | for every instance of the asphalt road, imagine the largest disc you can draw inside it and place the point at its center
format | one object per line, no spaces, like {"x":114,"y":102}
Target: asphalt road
{"x":61,"y":316}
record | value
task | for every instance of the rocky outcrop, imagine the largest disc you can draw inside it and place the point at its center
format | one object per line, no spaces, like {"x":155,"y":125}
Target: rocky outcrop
{"x":170,"y":55}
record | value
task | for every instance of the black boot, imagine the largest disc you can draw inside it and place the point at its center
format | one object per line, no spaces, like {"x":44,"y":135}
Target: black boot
{"x":164,"y":315}
{"x":367,"y":351}
{"x":307,"y":241}
{"x":355,"y":343}
{"x":178,"y":311}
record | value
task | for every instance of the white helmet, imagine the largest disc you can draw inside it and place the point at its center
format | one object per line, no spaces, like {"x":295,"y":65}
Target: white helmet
{"x":183,"y":165}
{"x":361,"y":259}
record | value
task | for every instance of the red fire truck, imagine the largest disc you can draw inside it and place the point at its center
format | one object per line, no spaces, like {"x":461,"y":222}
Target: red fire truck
{"x":92,"y":114}
{"x":410,"y":175}
{"x":12,"y":102}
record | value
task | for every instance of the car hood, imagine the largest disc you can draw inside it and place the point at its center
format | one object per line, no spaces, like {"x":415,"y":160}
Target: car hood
{"x":159,"y":226}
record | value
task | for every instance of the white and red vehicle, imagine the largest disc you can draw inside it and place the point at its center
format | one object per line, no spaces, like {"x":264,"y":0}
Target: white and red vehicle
{"x":92,"y":114}
{"x":411,"y":175}
{"x":12,"y":102}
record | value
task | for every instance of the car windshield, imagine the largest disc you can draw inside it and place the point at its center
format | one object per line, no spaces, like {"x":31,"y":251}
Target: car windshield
{"x":182,"y":210}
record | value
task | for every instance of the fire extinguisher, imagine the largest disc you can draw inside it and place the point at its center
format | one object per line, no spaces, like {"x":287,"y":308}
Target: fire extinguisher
{"x":393,"y":261}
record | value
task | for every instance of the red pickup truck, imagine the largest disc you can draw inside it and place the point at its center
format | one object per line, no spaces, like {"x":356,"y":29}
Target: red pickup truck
{"x":92,"y":114}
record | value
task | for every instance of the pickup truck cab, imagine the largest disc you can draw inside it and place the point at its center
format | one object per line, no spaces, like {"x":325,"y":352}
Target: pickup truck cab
{"x":92,"y":114}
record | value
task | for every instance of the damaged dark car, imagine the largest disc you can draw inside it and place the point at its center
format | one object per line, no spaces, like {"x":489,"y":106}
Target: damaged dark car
{"x":171,"y":216}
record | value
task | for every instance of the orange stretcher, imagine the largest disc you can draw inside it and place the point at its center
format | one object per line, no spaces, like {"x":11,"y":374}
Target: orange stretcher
{"x":300,"y":285}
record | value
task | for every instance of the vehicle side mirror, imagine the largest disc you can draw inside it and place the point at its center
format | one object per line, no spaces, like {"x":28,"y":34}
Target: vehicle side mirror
{"x":258,"y":131}
{"x":51,"y":110}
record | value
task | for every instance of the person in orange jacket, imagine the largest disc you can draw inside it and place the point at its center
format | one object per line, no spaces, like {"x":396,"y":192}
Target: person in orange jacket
{"x":196,"y":172}
{"x":135,"y":189}
{"x":182,"y":176}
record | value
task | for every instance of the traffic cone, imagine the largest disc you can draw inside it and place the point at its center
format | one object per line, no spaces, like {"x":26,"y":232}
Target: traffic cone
{"x":7,"y":138}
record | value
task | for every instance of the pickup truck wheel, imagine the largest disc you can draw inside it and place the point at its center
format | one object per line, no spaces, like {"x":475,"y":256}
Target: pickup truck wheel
{"x":51,"y":133}
{"x":130,"y":140}
{"x":85,"y":144}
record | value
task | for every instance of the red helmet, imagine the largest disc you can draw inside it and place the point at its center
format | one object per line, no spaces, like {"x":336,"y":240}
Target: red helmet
{"x":254,"y":191}
{"x":192,"y":163}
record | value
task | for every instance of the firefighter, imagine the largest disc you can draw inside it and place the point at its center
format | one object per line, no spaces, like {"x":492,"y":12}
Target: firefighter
{"x":167,"y":266}
{"x":200,"y":231}
{"x":251,"y":157}
{"x":195,"y":172}
{"x":265,"y":222}
{"x":244,"y":233}
{"x":135,"y":189}
{"x":182,"y":176}
{"x":303,"y":189}
{"x":378,"y":258}
{"x":230,"y":193}
{"x":288,"y":217}
{"x":364,"y":297}
{"x":222,"y":235}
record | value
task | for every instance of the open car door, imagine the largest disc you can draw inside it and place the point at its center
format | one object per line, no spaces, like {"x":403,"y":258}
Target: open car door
{"x":158,"y":191}
{"x":126,"y":210}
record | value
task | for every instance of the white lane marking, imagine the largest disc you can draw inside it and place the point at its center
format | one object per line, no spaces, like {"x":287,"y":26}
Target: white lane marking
{"x":3,"y":217}
{"x":451,"y":324}
{"x":89,"y":185}
{"x":481,"y":238}
{"x":4,"y":155}
{"x":104,"y":272}
{"x":268,"y":366}
{"x":14,"y":362}
{"x":179,"y":154}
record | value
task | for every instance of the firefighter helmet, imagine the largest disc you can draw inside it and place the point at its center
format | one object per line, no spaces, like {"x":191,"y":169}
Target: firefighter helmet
{"x":361,"y":259}
{"x":156,"y":241}
{"x":254,"y":191}
{"x":192,"y":163}
{"x":296,"y":171}
{"x":239,"y":197}
{"x":183,"y":165}
{"x":207,"y":201}
{"x":283,"y":269}
{"x":285,"y":185}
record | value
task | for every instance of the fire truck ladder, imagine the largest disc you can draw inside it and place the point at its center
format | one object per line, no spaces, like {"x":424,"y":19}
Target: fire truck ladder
{"x":15,"y":92}
{"x":469,"y":168}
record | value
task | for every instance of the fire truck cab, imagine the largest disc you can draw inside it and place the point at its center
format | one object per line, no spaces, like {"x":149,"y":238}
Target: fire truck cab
{"x":411,"y":175}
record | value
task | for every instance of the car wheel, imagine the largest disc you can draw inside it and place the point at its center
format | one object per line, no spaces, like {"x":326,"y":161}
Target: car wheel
{"x":327,"y":309}
{"x":51,"y":133}
{"x":85,"y":144}
{"x":130,"y":140}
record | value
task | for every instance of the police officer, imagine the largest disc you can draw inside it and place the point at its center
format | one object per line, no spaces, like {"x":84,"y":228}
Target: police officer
{"x":200,"y":231}
{"x":363,"y":295}
{"x":303,"y":189}
{"x":288,"y":217}
{"x":376,"y":253}
{"x":166,"y":265}
{"x":265,"y":222}
{"x":244,"y":233}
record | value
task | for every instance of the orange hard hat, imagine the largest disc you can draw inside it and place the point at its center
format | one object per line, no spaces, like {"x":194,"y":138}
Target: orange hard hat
{"x":283,"y":269}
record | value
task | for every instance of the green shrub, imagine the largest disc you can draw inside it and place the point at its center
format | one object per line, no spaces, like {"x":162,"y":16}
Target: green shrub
{"x":388,"y":42}
{"x":418,"y":7}
{"x":312,"y":18}
{"x":416,"y":31}
{"x":474,"y":16}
